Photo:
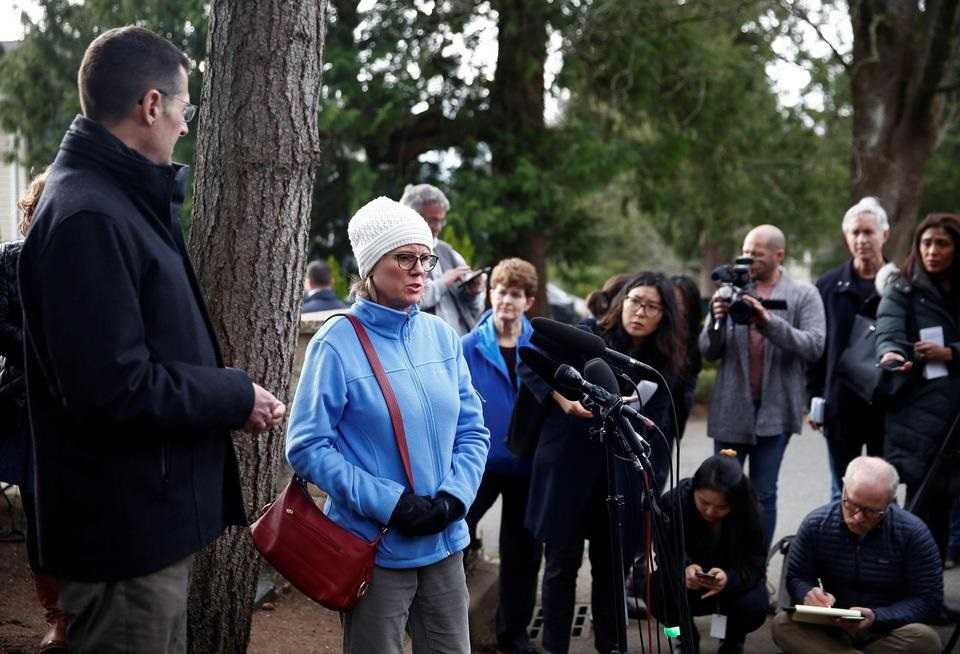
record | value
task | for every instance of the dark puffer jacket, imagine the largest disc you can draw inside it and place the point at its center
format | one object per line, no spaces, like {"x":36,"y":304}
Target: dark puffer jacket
{"x":921,"y":414}
{"x":894,"y":569}
{"x":13,"y":439}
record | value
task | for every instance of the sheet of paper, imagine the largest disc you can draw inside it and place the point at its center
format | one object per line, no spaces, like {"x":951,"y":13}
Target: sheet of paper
{"x":718,"y":626}
{"x":933,"y":369}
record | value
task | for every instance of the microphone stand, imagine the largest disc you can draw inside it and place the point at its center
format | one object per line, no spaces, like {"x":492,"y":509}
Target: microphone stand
{"x":607,"y":430}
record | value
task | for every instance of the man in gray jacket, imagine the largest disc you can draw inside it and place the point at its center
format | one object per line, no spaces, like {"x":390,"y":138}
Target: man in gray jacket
{"x":460,"y":305}
{"x":759,"y":399}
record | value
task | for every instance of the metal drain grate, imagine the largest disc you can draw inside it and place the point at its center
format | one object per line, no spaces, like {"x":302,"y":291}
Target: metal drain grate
{"x":581,"y":627}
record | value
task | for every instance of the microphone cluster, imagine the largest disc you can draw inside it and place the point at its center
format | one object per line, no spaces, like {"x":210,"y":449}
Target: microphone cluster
{"x":597,"y":385}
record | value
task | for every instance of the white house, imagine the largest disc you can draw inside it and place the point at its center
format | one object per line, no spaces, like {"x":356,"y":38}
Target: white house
{"x":13,"y":176}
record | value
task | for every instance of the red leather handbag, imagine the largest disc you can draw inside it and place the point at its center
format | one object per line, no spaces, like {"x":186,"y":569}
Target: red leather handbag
{"x":326,"y":562}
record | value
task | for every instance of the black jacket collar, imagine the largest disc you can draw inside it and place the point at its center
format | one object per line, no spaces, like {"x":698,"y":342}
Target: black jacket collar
{"x":156,"y":187}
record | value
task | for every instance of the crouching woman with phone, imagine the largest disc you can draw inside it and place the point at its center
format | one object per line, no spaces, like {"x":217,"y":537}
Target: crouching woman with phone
{"x":725,"y":566}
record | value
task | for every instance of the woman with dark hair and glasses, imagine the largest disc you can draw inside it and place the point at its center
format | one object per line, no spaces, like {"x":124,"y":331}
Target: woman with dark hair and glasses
{"x":725,"y":565}
{"x":918,"y":333}
{"x":341,"y":438}
{"x":568,"y":486}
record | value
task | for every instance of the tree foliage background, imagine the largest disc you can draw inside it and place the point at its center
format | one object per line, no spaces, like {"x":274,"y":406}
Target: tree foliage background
{"x":664,"y":138}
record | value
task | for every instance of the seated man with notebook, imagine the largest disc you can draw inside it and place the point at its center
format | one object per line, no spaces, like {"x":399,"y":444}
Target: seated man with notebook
{"x":866,"y":554}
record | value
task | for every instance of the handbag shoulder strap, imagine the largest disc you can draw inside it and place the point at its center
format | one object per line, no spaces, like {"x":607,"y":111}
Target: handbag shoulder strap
{"x":392,"y":406}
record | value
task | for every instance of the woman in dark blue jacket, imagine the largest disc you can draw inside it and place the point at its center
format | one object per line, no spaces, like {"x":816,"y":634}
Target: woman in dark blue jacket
{"x":491,"y":350}
{"x":569,"y":485}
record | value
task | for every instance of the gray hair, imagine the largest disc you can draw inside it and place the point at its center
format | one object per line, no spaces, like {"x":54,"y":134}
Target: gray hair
{"x":872,"y":469}
{"x":418,"y":196}
{"x":870,"y":205}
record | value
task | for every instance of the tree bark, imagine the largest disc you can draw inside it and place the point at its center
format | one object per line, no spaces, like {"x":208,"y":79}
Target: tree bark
{"x":901,"y":56}
{"x":516,"y":127}
{"x":257,"y":152}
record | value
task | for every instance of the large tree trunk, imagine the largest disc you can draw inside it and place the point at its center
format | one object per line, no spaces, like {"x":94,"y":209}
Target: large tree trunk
{"x":901,"y":57}
{"x":517,"y":127}
{"x":256,"y":156}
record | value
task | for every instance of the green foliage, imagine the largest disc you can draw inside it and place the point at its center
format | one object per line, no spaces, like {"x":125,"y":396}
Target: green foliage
{"x":708,"y":151}
{"x":341,"y":280}
{"x":38,"y":80}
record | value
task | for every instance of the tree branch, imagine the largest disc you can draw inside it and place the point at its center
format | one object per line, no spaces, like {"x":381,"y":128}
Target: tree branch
{"x":938,"y":56}
{"x":800,"y":13}
{"x":427,"y":131}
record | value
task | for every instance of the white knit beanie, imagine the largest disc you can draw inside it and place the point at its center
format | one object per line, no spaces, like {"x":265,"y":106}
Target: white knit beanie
{"x":382,"y":225}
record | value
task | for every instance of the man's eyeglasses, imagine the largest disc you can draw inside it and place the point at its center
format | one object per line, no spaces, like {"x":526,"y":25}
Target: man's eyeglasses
{"x":407,"y":260}
{"x":648,"y":308}
{"x":854,"y":509}
{"x":189,"y":110}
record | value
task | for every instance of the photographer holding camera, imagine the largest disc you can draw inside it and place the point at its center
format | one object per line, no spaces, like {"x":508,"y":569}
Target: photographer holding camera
{"x":763,"y":330}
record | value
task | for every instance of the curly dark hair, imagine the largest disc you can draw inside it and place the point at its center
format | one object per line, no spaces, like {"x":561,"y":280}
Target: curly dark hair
{"x":667,"y":350}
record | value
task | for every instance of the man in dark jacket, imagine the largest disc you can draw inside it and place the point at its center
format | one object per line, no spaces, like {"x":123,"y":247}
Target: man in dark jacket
{"x":849,"y":423}
{"x":866,"y":553}
{"x":318,"y":287}
{"x":129,"y":402}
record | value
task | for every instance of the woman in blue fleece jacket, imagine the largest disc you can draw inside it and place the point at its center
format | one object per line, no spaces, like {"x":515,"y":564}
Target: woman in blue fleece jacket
{"x":340,"y":437}
{"x":491,"y":350}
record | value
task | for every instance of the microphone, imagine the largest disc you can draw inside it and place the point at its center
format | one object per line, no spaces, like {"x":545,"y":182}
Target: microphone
{"x":585,"y":342}
{"x":598,"y":372}
{"x":568,"y":375}
{"x":546,"y":368}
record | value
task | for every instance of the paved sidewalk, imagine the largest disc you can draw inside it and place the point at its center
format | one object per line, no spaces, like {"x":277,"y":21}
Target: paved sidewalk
{"x":804,"y":485}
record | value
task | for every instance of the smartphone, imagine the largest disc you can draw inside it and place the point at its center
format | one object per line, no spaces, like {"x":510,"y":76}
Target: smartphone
{"x":473,"y":274}
{"x":893,"y":364}
{"x":705,"y":576}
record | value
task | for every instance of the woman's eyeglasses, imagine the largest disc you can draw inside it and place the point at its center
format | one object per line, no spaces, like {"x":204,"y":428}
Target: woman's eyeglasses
{"x":407,"y":260}
{"x":647,"y":308}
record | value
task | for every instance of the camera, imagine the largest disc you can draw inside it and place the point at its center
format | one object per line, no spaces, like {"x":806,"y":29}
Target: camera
{"x":736,"y":277}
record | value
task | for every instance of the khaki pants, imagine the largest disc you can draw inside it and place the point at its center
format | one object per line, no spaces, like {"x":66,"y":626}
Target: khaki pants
{"x":802,"y":638}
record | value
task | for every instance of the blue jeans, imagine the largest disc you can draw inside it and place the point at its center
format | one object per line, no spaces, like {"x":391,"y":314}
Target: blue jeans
{"x":765,"y":458}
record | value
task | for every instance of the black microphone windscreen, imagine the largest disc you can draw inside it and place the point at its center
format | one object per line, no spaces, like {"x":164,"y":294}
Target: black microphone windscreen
{"x":599,"y":372}
{"x":547,"y":345}
{"x":567,"y":374}
{"x":546,"y":369}
{"x":570,"y":337}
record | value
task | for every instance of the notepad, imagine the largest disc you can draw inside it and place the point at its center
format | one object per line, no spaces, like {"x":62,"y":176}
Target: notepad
{"x":933,"y":369}
{"x":822,"y":614}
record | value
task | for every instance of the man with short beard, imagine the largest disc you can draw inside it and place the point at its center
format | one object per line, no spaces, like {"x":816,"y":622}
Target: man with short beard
{"x":758,"y":397}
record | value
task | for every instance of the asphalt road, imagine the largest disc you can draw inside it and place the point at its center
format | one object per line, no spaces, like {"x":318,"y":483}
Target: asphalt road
{"x":804,"y":485}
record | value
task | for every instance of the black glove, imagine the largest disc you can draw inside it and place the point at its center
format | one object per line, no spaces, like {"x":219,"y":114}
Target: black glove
{"x":417,"y":515}
{"x":453,"y":508}
{"x":410,"y":508}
